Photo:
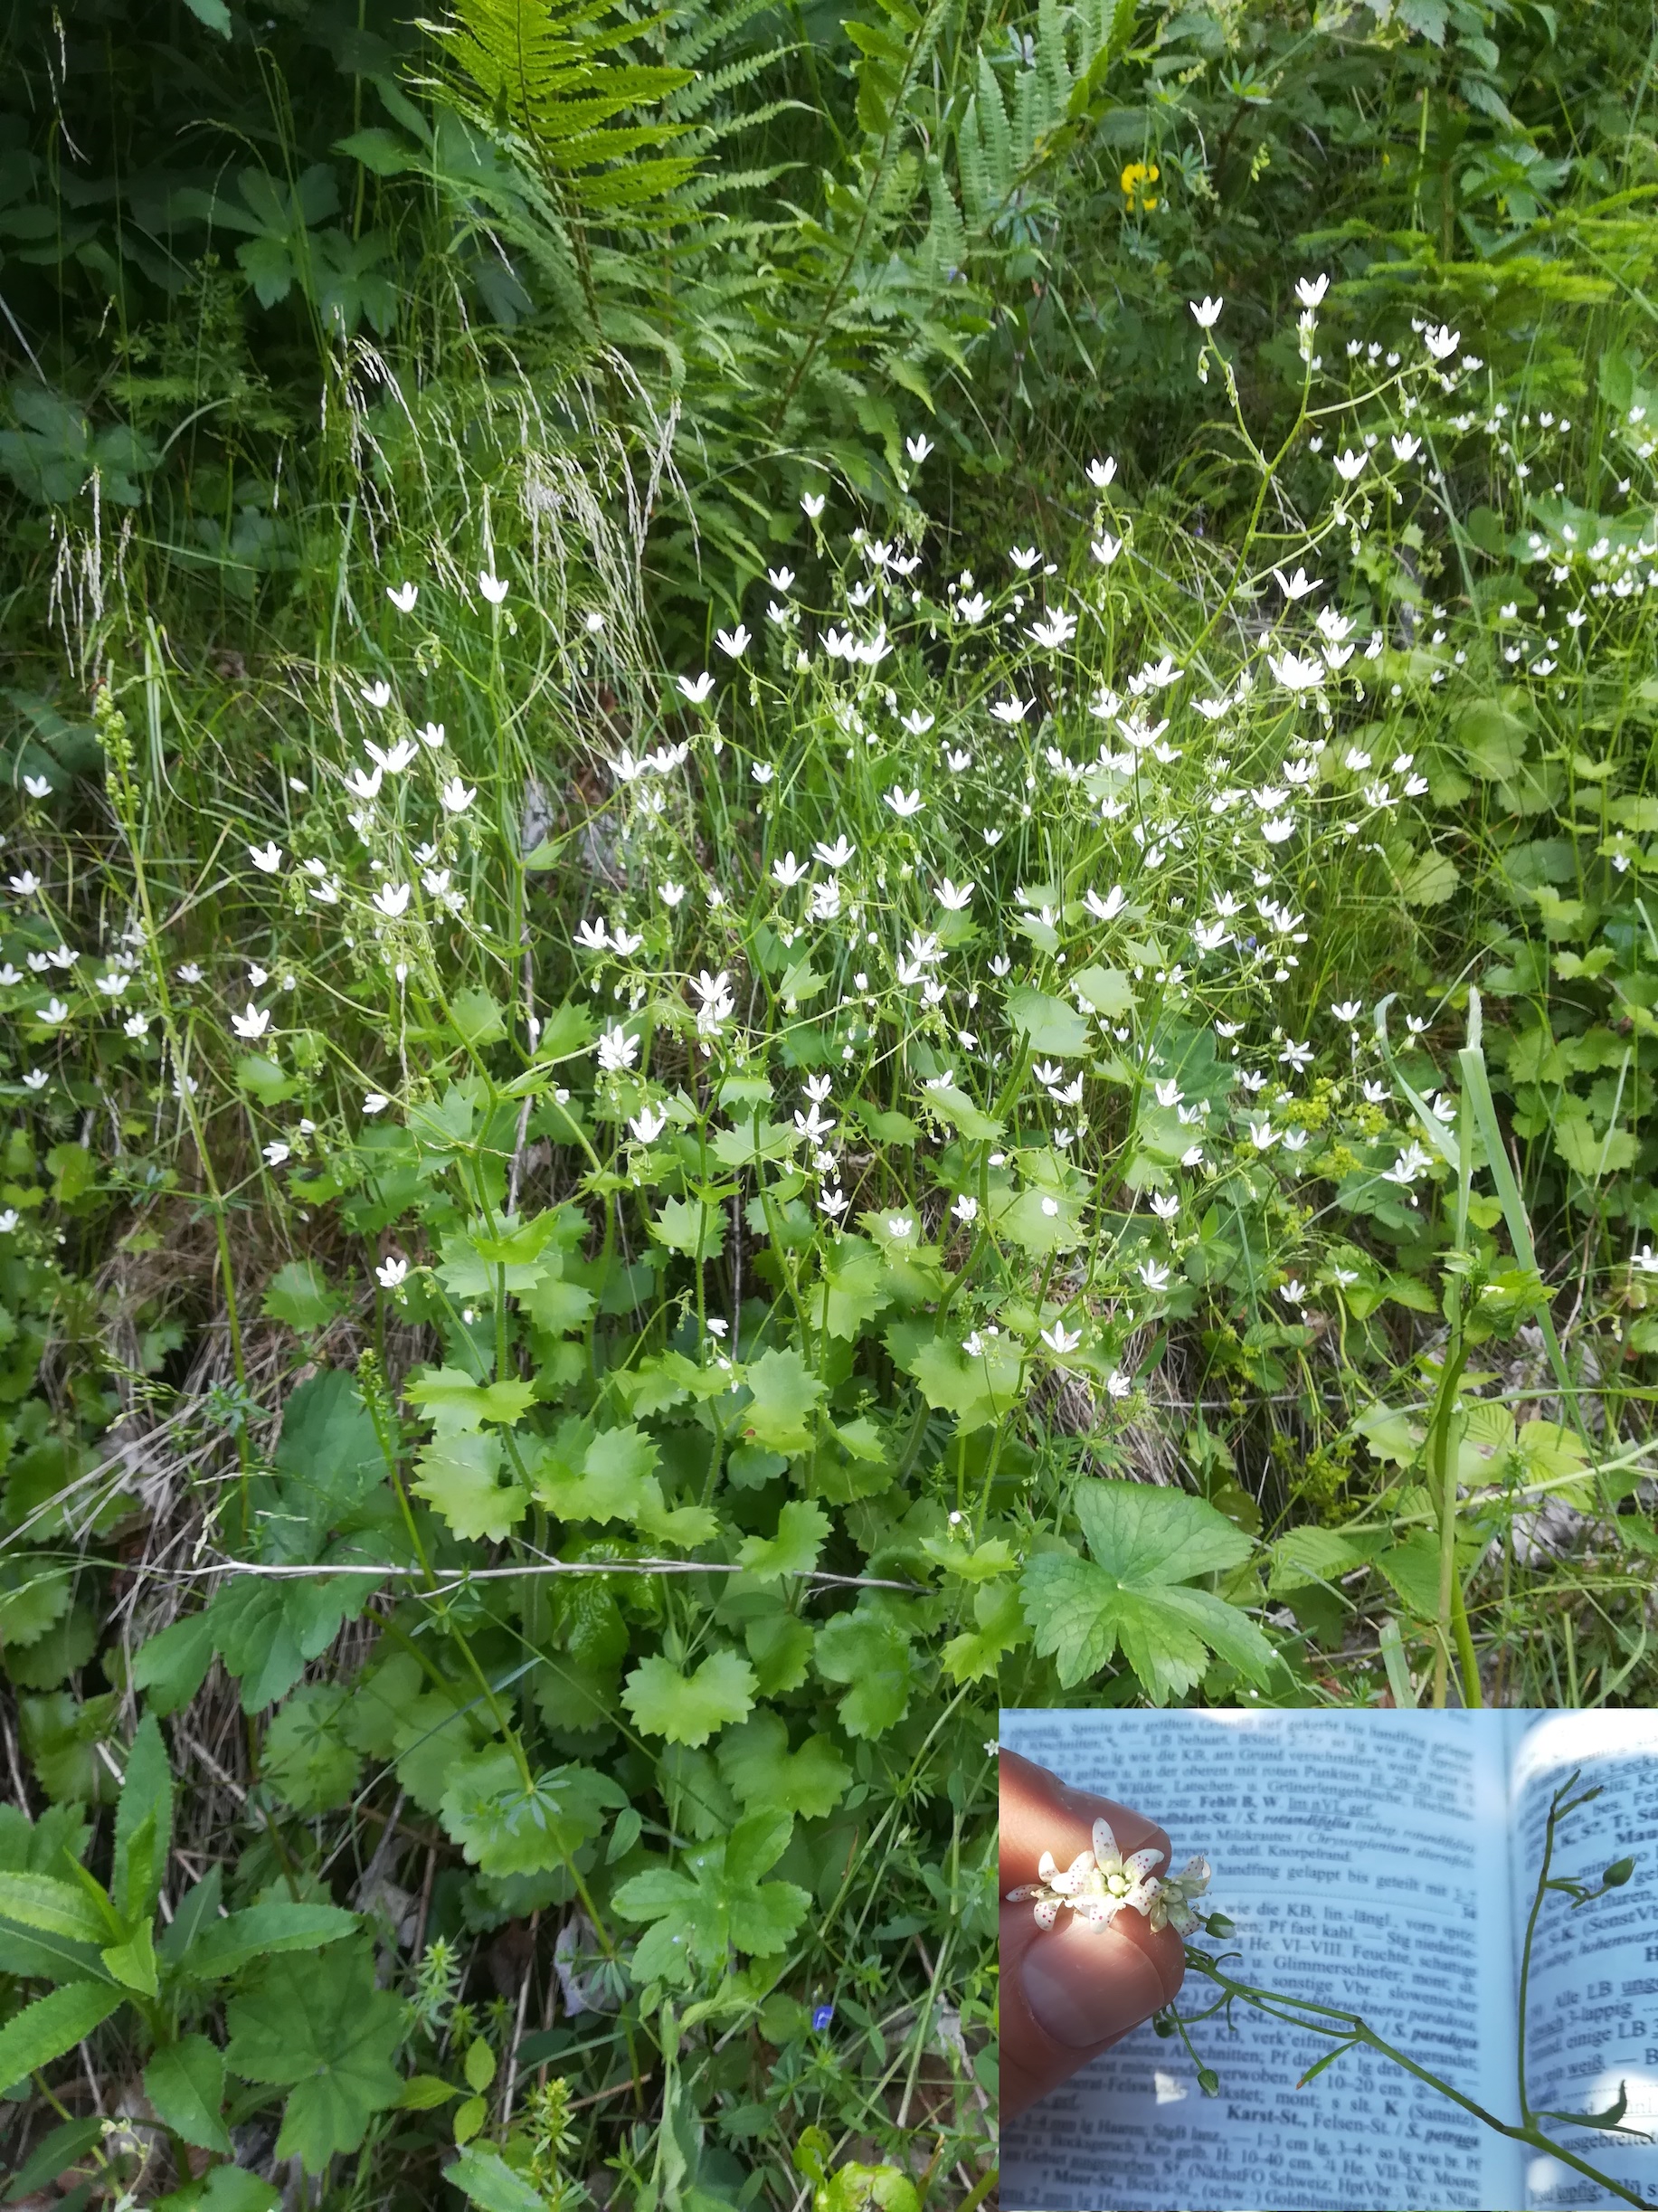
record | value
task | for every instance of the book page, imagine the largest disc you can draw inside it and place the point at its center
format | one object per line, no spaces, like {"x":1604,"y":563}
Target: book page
{"x":1592,"y":2019}
{"x":1353,"y":1852}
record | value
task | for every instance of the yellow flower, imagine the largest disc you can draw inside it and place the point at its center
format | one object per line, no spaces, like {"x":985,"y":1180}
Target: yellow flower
{"x":1133,"y":180}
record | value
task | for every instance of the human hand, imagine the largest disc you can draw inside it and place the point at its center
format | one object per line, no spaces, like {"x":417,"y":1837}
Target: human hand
{"x":1070,"y":1992}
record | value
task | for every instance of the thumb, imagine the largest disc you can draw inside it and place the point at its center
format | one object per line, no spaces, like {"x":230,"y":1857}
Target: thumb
{"x":1072,"y":1992}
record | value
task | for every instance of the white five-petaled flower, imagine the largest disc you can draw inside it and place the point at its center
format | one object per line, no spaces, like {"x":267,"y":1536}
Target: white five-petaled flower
{"x":1292,"y":1293}
{"x":616,"y":1049}
{"x":403,"y":596}
{"x":734,"y":643}
{"x":1153,"y":1274}
{"x":966,"y":1209}
{"x":38,"y":787}
{"x":275,"y":1152}
{"x":836,"y":855}
{"x":1205,"y":312}
{"x":954,"y":897}
{"x":1061,"y":1339}
{"x":1101,"y":472}
{"x":1645,"y":1261}
{"x":492,"y":587}
{"x":252,"y":1022}
{"x":377,"y":695}
{"x":431,"y":734}
{"x":393,"y":900}
{"x":375,"y":1102}
{"x":1105,"y":549}
{"x":1410,"y":1164}
{"x":26,"y":885}
{"x":267,"y":858}
{"x":1171,"y":1907}
{"x":1441,"y":340}
{"x":811,"y":505}
{"x":788,"y":871}
{"x":649,"y":1124}
{"x":1310,"y":290}
{"x":54,"y":1010}
{"x":1350,"y":465}
{"x":1097,"y":1885}
{"x":918,"y":448}
{"x":717,"y":1003}
{"x":1347,"y":1009}
{"x":389,"y":1273}
{"x":457,"y":796}
{"x":1298,"y":586}
{"x":1010,"y":711}
{"x":903,"y":804}
{"x":1105,"y":910}
{"x":696,"y":687}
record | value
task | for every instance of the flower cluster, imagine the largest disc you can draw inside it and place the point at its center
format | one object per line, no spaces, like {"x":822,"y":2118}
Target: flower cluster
{"x":1100,"y":1883}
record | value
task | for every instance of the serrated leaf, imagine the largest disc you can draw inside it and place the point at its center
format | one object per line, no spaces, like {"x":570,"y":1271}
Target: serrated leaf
{"x":1107,"y":989}
{"x":766,"y":1776}
{"x":785,"y":1395}
{"x":875,"y":1658}
{"x":52,"y":2024}
{"x":505,"y":1827}
{"x":690,"y":1226}
{"x":306,"y":1758}
{"x":1001,"y":1628}
{"x":321,"y":2025}
{"x":715,"y":1900}
{"x":689,"y":1708}
{"x":184,"y":2081}
{"x":460,"y":1476}
{"x":299,"y":1295}
{"x":1048,"y":1024}
{"x":801,"y":1527}
{"x":1145,"y":1543}
{"x":223,"y":1947}
{"x":484,"y":2178}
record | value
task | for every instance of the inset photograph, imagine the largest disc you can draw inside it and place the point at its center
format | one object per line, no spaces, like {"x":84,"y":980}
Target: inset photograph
{"x":1301,"y":1961}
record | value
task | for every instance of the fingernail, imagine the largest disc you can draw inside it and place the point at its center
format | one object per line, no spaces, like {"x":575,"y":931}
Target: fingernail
{"x":1084,"y":1987}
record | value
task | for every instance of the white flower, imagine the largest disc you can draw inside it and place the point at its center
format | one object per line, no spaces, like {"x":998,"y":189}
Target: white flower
{"x":1105,"y":910}
{"x":832,"y":1202}
{"x":1171,"y":1907}
{"x":717,"y":1003}
{"x":811,"y":505}
{"x":275,"y":1152}
{"x":251,"y":1023}
{"x":1166,"y":1204}
{"x":918,"y":448}
{"x":670,"y":893}
{"x":1347,"y":1009}
{"x":1101,"y":472}
{"x":1011,"y":711}
{"x":38,"y":787}
{"x":761,"y":771}
{"x":1097,"y":1885}
{"x":1061,"y":1339}
{"x":957,"y":761}
{"x":1645,"y":1261}
{"x":431,"y":734}
{"x":836,"y":855}
{"x":1263,"y":1135}
{"x":1024,"y":558}
{"x":1054,"y":630}
{"x":617,"y":1050}
{"x":374,"y":1101}
{"x":592,"y":936}
{"x":903,"y":804}
{"x":457,"y":796}
{"x":403,"y":596}
{"x":1292,"y":1293}
{"x":649,"y":1124}
{"x":112,"y":985}
{"x":1441,"y":340}
{"x":1298,"y":586}
{"x":1310,"y":290}
{"x":1406,"y":447}
{"x":734,"y":643}
{"x":37,"y":1079}
{"x":1296,"y":1056}
{"x":54,"y":1010}
{"x":1168,"y":1093}
{"x":396,"y":759}
{"x":137,"y":1025}
{"x":788,"y":871}
{"x":1349,"y":466}
{"x":389,"y":1273}
{"x":267,"y":858}
{"x":825,"y":904}
{"x":966,"y":1209}
{"x":1294,"y":673}
{"x":1118,"y":1384}
{"x":1407,"y":1166}
{"x":1105,"y":549}
{"x":898,"y":1227}
{"x":364,"y":785}
{"x":624,"y":940}
{"x":779,"y":579}
{"x":1205,"y":312}
{"x":377,"y":695}
{"x":26,"y":885}
{"x":393,"y":900}
{"x":954,"y":898}
{"x":492,"y":588}
{"x":917,"y":723}
{"x":1153,"y":1274}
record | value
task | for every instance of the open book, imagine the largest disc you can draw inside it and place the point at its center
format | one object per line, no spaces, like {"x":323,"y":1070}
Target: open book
{"x":1384,"y":1863}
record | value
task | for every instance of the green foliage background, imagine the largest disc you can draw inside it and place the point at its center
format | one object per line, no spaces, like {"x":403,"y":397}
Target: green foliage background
{"x":587,"y":1790}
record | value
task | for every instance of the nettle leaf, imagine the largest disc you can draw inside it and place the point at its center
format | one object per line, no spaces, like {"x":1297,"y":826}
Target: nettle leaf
{"x":714,"y":1903}
{"x":322,"y":2025}
{"x":505,"y":1827}
{"x":766,"y":1776}
{"x":689,"y":1708}
{"x":1145,"y":1543}
{"x":184,"y":2081}
{"x":801,"y":1527}
{"x":785,"y":1395}
{"x":460,"y":1474}
{"x":875,"y":1658}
